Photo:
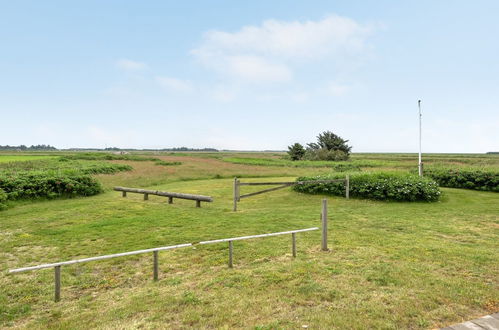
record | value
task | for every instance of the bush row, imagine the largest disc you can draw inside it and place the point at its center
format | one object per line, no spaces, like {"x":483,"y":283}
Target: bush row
{"x":476,"y":179}
{"x":46,"y":185}
{"x":376,"y":185}
{"x":3,"y":199}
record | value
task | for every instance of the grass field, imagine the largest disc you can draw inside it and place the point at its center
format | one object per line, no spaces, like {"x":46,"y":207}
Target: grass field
{"x":5,"y":158}
{"x":392,"y":265}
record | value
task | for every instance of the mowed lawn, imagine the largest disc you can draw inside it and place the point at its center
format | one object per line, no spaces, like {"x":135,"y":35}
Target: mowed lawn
{"x":391,"y":265}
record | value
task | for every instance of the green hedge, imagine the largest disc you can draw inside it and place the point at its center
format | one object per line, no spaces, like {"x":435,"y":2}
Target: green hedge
{"x":38,"y":185}
{"x":476,"y":179}
{"x":376,"y":185}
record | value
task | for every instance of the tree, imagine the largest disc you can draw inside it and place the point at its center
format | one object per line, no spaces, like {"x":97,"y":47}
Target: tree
{"x":296,"y":151}
{"x":330,"y":141}
{"x":329,"y":146}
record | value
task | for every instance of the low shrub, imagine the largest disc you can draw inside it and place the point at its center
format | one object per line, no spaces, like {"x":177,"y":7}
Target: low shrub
{"x":375,"y":185}
{"x":46,"y":185}
{"x":476,"y":179}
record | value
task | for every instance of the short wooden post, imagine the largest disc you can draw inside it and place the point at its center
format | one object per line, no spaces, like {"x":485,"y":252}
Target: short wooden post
{"x":123,"y":194}
{"x":293,"y":248}
{"x":146,"y":197}
{"x":57,"y":282}
{"x":198,"y":203}
{"x":324,"y":225}
{"x":236,"y":193}
{"x":230,"y":254}
{"x":156,"y":270}
{"x":347,"y":186}
{"x":170,"y":200}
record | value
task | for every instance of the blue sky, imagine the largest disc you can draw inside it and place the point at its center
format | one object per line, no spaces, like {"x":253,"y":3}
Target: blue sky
{"x":250,"y":75}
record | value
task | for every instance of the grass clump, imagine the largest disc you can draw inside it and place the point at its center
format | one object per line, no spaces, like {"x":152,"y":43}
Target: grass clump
{"x":165,"y":163}
{"x":475,"y":179}
{"x":108,"y":156}
{"x":377,"y":186}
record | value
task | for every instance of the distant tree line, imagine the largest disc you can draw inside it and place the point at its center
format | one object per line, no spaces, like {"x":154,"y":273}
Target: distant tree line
{"x":493,"y":153}
{"x":163,"y":149}
{"x":22,"y":147}
{"x":329,"y":146}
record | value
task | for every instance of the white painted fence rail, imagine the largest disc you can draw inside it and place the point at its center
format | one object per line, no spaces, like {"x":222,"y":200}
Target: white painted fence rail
{"x":57,"y":265}
{"x":240,"y":238}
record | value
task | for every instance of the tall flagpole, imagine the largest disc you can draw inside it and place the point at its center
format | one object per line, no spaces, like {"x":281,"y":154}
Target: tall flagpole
{"x":420,"y":163}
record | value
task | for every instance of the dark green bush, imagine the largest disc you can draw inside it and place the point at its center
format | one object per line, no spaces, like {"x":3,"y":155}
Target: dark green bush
{"x":164,"y":163}
{"x":46,"y":185}
{"x":378,"y":186}
{"x":476,"y":179}
{"x":325,"y":154}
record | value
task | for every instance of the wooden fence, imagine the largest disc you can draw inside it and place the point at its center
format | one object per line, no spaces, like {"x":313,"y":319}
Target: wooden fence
{"x":170,"y":195}
{"x":57,"y":266}
{"x":280,"y":185}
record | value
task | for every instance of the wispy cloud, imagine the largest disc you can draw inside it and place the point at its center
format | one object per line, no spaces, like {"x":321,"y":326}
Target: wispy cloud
{"x":129,"y":65}
{"x":268,"y":52}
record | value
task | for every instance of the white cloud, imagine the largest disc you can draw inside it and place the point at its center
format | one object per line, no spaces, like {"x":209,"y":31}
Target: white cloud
{"x":266,"y":53}
{"x":129,"y":65}
{"x":174,"y":84}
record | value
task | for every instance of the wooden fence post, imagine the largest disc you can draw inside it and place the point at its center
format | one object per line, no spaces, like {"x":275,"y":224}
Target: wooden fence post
{"x":198,"y":203}
{"x":236,"y":193}
{"x":347,"y":186}
{"x":57,"y":283}
{"x":324,"y":225}
{"x":230,"y":254}
{"x":146,"y":197}
{"x":156,"y":268}
{"x":293,"y":247}
{"x":123,"y":194}
{"x":170,"y":200}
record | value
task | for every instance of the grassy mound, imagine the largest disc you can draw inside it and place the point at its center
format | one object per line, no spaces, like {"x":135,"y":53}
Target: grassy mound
{"x":378,"y":186}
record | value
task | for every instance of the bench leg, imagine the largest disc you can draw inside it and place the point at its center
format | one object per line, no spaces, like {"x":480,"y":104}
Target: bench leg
{"x":123,"y":194}
{"x":146,"y":197}
{"x":170,"y":200}
{"x":198,"y":203}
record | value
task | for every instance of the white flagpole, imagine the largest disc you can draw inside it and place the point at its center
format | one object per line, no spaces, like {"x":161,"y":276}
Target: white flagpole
{"x":420,"y":164}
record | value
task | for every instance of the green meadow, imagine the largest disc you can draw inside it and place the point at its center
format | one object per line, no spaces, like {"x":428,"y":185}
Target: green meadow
{"x":391,"y":265}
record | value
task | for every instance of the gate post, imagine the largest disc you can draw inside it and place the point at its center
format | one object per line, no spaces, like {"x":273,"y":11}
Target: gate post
{"x":236,"y":193}
{"x":324,"y":225}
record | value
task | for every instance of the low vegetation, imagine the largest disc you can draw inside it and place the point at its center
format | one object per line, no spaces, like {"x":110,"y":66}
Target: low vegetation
{"x":329,"y":147}
{"x":466,"y":178}
{"x":377,"y":186}
{"x":391,"y":265}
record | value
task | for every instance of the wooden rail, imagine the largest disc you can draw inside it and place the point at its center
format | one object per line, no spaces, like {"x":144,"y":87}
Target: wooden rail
{"x":170,"y":195}
{"x":231,"y":240}
{"x":57,"y":265}
{"x":237,"y":190}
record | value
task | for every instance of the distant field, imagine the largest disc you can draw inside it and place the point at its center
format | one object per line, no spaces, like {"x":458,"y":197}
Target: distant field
{"x":393,"y":265}
{"x":16,"y":158}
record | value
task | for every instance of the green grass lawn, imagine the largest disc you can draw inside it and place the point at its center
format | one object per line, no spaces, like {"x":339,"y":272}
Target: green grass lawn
{"x":392,"y":265}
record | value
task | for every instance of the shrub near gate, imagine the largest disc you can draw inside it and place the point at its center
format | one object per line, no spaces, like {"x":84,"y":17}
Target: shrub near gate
{"x":378,"y":186}
{"x":476,"y":179}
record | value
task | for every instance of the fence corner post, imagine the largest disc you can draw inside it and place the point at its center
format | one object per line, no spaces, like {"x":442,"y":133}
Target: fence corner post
{"x":324,"y":225}
{"x":293,"y":246}
{"x":347,"y":186}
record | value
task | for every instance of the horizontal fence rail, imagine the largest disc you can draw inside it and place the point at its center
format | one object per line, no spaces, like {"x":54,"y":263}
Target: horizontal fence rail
{"x":170,"y":195}
{"x":280,"y":185}
{"x":57,"y":265}
{"x":240,"y":238}
{"x":109,"y":256}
